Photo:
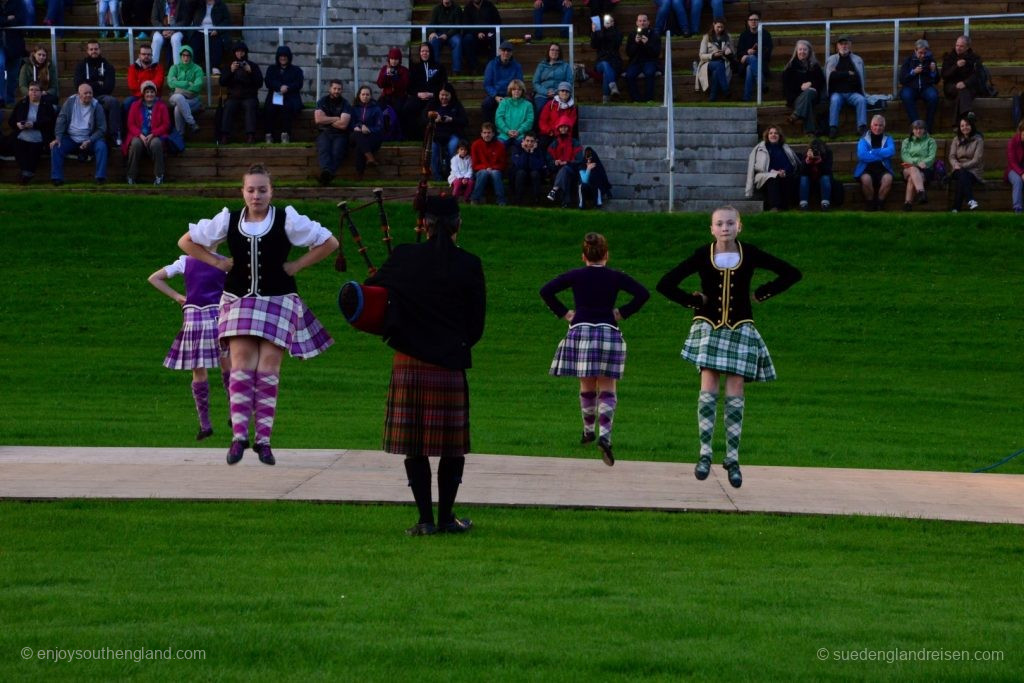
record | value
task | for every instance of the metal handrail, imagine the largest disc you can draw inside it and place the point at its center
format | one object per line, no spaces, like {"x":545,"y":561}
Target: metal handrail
{"x":670,"y":122}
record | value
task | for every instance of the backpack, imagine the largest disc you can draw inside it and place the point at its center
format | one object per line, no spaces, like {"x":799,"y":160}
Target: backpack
{"x":392,"y":128}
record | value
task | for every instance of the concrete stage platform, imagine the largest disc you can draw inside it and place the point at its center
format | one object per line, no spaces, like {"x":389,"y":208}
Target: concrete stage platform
{"x":372,"y":476}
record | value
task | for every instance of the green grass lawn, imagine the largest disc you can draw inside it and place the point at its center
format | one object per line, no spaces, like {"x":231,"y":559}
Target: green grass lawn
{"x":899,"y":349}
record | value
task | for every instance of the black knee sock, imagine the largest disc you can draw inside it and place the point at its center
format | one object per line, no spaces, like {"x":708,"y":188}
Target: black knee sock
{"x":449,"y":476}
{"x":418,"y":470}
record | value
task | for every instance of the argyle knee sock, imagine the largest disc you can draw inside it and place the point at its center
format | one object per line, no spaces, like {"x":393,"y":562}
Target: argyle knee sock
{"x":201,"y":395}
{"x":225,"y":378}
{"x":240,"y":395}
{"x":707,"y":408}
{"x":449,"y":476}
{"x":417,"y":468}
{"x":606,"y":414}
{"x":265,"y":404}
{"x":733,"y":427}
{"x":588,"y":406}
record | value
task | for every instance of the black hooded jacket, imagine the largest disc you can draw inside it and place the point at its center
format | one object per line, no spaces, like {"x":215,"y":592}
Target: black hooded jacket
{"x":244,"y":80}
{"x":289,"y":75}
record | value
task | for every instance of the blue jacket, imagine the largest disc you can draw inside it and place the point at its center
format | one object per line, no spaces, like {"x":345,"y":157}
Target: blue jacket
{"x":867,"y":154}
{"x":369,"y":115}
{"x":926,"y":79}
{"x":497,"y":76}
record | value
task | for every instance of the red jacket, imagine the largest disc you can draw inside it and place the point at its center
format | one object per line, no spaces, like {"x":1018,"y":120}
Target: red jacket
{"x":550,"y":114}
{"x":1014,"y":156}
{"x":487,"y":154}
{"x":137,"y":76}
{"x":567,"y":149}
{"x":160,"y":125}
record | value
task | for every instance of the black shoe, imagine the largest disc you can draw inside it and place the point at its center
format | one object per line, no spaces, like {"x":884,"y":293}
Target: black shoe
{"x":862,"y":131}
{"x":456,"y":526}
{"x":908,"y":206}
{"x":703,"y":468}
{"x":588,"y":437}
{"x":735,"y":476}
{"x":264,"y":453}
{"x":326,"y":177}
{"x":606,"y":451}
{"x":236,"y":451}
{"x":204,"y":433}
{"x":57,"y":182}
{"x":922,"y":198}
{"x":833,"y":132}
{"x":422,"y":529}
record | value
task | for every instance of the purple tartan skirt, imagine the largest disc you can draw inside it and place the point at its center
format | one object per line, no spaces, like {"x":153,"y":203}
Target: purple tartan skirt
{"x":283,"y":320}
{"x":428,"y":409}
{"x":196,"y":344}
{"x":590,"y":351}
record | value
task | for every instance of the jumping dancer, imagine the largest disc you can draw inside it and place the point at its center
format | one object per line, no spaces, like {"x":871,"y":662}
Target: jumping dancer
{"x":195,"y":348}
{"x":593,"y":349}
{"x":723,"y":339}
{"x":261,"y":313}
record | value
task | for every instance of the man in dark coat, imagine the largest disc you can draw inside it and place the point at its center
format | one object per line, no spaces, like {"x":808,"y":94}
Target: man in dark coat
{"x":437,"y":302}
{"x":963,"y":76}
{"x":99,"y":73}
{"x":243,"y":79}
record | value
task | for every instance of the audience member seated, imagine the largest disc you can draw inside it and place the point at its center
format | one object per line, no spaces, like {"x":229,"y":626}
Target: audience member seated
{"x":1015,"y":167}
{"x":478,"y":41}
{"x":212,"y":14}
{"x":489,"y":161}
{"x":716,"y":59}
{"x":803,"y":86}
{"x":816,"y":172}
{"x":243,"y":79}
{"x":33,"y":123}
{"x":138,"y":13}
{"x":527,"y":171}
{"x":548,"y":75}
{"x":445,"y":20}
{"x":149,"y":122}
{"x":965,"y":164}
{"x":515,"y":114}
{"x":918,"y":77}
{"x":367,"y":128}
{"x":141,"y":70}
{"x":917,"y":155}
{"x":643,"y":49}
{"x":561,"y":105}
{"x":99,"y":73}
{"x":844,"y":78}
{"x":12,"y":45}
{"x":751,"y":58}
{"x":185,"y":81}
{"x":108,"y":14}
{"x":500,"y":71}
{"x":460,"y":178}
{"x":38,"y":67}
{"x":774,"y":169}
{"x":81,"y":129}
{"x":449,"y":127}
{"x":594,"y":186}
{"x":607,"y":41}
{"x":875,"y":151}
{"x":284,"y":82}
{"x":425,"y":80}
{"x":963,"y":76}
{"x":172,"y":15}
{"x":565,"y":154}
{"x":332,"y":117}
{"x":666,"y":8}
{"x":561,"y":7}
{"x":393,"y":81}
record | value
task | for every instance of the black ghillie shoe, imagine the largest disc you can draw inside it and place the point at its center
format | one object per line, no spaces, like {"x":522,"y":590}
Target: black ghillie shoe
{"x":735,"y":476}
{"x":236,"y":451}
{"x":266,"y":456}
{"x":703,"y":468}
{"x":204,"y":433}
{"x":606,"y":451}
{"x":588,"y":437}
{"x":457,"y":526}
{"x":422,"y":529}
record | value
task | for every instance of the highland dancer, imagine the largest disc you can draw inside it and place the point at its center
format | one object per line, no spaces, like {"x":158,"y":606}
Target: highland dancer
{"x":261,"y":313}
{"x":723,"y":339}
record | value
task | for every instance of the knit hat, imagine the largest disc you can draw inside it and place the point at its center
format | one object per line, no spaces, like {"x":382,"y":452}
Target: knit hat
{"x":394,"y":53}
{"x":565,"y":85}
{"x":146,"y":85}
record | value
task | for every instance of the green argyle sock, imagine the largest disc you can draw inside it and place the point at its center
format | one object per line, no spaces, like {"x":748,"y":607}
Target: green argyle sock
{"x":733,"y":427}
{"x":707,"y":407}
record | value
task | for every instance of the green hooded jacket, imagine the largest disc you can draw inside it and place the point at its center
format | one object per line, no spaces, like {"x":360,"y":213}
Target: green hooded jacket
{"x":184,"y":76}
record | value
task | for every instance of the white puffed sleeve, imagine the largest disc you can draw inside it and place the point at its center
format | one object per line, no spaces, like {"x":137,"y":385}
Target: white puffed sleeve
{"x":176,"y":268}
{"x":209,"y":232}
{"x":302,"y":231}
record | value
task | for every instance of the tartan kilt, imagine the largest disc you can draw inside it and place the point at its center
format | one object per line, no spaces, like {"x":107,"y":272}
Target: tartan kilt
{"x":195,"y":346}
{"x":590,"y":351}
{"x":428,"y":409}
{"x":740,"y":351}
{"x":283,"y":320}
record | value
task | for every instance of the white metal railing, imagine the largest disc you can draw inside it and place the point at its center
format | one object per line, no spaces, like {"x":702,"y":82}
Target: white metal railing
{"x":670,"y":122}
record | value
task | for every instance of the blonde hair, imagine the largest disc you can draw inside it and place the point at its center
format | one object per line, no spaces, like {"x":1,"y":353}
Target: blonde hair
{"x":516,"y":83}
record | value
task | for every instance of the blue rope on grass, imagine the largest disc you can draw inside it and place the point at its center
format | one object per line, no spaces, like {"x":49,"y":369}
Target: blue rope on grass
{"x":1001,"y":462}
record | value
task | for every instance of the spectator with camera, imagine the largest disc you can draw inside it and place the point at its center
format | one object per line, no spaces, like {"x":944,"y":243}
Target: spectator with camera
{"x":717,"y":57}
{"x":643,"y":49}
{"x":243,"y":80}
{"x":816,"y":172}
{"x":607,"y":41}
{"x":918,"y":77}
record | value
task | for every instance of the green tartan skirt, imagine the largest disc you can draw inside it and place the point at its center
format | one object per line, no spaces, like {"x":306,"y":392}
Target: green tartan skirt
{"x":740,"y":351}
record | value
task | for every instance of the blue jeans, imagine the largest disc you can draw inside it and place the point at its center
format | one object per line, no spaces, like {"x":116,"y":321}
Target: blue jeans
{"x":480,"y":186}
{"x":718,"y":78}
{"x":608,"y":76}
{"x":852,"y":99}
{"x":455,"y":43}
{"x":824,"y":185}
{"x":1017,"y":190}
{"x":68,"y":146}
{"x":717,"y":10}
{"x":750,"y":82}
{"x":633,"y":73}
{"x":3,"y":76}
{"x":437,"y":161}
{"x":331,"y":149}
{"x":661,"y":18}
{"x":551,"y":6}
{"x":931,"y":98}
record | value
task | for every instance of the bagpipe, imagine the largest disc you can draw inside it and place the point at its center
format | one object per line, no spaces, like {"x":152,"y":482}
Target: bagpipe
{"x":365,"y":306}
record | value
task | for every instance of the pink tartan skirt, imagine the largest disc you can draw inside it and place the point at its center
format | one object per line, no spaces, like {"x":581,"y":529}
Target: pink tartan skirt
{"x":196,"y":344}
{"x":284,"y":321}
{"x":428,"y":409}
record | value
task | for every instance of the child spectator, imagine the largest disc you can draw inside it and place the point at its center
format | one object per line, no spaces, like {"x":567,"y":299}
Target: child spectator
{"x":562,"y":104}
{"x":527,"y":170}
{"x":816,"y":171}
{"x":564,"y":156}
{"x":461,"y":176}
